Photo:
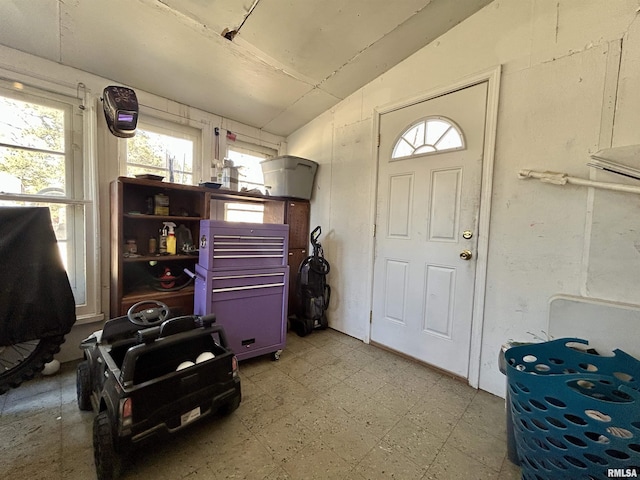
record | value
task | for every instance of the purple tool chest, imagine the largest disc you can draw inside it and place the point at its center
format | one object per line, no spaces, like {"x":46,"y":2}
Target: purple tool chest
{"x":233,"y":246}
{"x":242,"y":276}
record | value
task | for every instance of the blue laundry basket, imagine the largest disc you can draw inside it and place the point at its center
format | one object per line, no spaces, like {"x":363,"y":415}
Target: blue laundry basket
{"x":576,"y":415}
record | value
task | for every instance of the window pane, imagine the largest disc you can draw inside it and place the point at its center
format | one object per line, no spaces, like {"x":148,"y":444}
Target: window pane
{"x":451,"y":139}
{"x":415,"y":136}
{"x":435,"y":129}
{"x":402,"y":149}
{"x":160,"y":154}
{"x":250,"y":174}
{"x":31,"y":125}
{"x":33,"y":173}
{"x":424,"y":149}
{"x":243,"y":212}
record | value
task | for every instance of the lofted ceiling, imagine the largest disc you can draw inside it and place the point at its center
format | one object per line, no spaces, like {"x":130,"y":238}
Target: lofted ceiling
{"x":272,"y":64}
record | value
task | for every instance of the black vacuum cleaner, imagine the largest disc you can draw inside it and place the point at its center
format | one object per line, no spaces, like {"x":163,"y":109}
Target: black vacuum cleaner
{"x":312,"y":290}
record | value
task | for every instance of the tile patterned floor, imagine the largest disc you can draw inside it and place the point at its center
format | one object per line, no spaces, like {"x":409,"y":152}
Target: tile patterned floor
{"x":331,"y":408}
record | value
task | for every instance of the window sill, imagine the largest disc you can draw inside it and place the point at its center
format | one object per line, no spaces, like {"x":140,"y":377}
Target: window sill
{"x":89,"y":318}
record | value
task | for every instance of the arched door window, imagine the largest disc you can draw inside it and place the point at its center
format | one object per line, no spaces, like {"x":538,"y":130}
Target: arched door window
{"x":429,"y":135}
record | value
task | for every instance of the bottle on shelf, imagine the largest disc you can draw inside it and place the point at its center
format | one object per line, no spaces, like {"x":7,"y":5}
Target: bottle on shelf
{"x":184,"y":239}
{"x":171,"y":237}
{"x":162,"y":244}
{"x":153,"y":245}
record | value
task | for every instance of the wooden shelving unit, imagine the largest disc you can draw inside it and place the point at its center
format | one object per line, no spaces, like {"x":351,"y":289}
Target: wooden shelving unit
{"x":132,"y":277}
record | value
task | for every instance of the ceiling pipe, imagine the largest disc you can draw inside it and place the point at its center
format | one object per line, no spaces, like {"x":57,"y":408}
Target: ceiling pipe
{"x":230,"y":34}
{"x":557,"y":178}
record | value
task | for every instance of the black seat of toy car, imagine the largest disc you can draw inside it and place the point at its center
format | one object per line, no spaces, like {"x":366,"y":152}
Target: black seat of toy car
{"x":118,"y":329}
{"x":177,"y":325}
{"x":168,"y":328}
{"x":121,"y":328}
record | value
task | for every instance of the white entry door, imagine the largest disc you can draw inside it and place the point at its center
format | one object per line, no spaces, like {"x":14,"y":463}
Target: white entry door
{"x":429,"y":183}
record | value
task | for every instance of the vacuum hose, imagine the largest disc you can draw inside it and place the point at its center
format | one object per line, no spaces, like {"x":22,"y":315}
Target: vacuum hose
{"x":157,"y":284}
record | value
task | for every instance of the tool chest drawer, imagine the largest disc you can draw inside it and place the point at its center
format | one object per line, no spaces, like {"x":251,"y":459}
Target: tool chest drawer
{"x":213,"y":286}
{"x":250,"y":304}
{"x":242,"y":245}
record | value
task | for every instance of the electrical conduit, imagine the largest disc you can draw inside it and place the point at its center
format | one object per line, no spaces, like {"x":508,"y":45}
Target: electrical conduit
{"x":557,"y":178}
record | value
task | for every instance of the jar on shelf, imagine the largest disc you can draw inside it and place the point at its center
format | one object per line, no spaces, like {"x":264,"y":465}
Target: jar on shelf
{"x":131,"y":247}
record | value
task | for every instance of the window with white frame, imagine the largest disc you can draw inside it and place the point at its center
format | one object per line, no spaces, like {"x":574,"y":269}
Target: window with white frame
{"x":41,"y":164}
{"x":166,"y":149}
{"x":246,"y":157}
{"x":427,"y":136}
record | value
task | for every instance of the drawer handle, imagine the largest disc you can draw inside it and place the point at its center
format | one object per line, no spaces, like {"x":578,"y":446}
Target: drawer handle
{"x":247,"y":237}
{"x":246,"y":256}
{"x":252,"y":275}
{"x":246,"y":287}
{"x":255,"y":248}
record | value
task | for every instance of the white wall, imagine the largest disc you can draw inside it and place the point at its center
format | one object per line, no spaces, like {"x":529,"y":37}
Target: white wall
{"x":569,"y":87}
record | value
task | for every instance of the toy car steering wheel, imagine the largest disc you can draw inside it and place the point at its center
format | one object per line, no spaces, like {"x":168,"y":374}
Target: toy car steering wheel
{"x":149,"y":317}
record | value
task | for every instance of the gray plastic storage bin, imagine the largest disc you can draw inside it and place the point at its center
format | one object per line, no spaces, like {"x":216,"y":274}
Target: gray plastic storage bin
{"x":289,"y":176}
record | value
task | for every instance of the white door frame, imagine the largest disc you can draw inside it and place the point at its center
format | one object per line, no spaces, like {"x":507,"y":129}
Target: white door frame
{"x":492,"y":77}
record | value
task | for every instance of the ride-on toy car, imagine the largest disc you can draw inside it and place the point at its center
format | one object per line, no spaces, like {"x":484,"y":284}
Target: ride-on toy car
{"x":146,"y":374}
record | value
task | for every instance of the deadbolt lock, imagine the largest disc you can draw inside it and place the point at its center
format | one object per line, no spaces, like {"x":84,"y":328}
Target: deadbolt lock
{"x":466,"y":255}
{"x":467,"y":234}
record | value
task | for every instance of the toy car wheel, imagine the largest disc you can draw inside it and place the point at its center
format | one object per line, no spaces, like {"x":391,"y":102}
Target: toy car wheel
{"x":83,"y":385}
{"x":106,"y":458}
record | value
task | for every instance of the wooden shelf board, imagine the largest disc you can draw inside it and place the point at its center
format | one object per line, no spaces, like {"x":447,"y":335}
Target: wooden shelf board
{"x":166,"y":218}
{"x":146,"y":293}
{"x":159,"y":258}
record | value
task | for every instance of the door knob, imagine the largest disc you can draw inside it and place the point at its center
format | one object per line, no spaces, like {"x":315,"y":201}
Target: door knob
{"x":466,"y":255}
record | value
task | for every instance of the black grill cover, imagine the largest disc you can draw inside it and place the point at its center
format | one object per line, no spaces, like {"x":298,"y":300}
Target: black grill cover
{"x":36,"y":300}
